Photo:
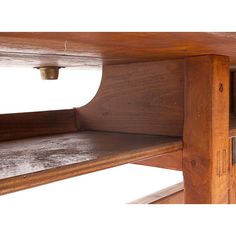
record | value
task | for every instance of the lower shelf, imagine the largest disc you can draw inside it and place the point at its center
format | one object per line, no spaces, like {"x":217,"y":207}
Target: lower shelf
{"x":117,"y":185}
{"x":31,"y":162}
{"x":171,"y":195}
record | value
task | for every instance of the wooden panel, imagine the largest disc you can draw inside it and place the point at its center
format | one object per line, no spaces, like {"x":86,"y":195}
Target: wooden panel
{"x":138,"y":98}
{"x":31,"y":162}
{"x":37,"y":60}
{"x":232,"y":126}
{"x":23,"y":125}
{"x":232,"y":186}
{"x":231,"y":95}
{"x":233,"y":90}
{"x":173,"y":160}
{"x":206,"y":132}
{"x":176,"y":198}
{"x":85,"y":49}
{"x":171,"y":195}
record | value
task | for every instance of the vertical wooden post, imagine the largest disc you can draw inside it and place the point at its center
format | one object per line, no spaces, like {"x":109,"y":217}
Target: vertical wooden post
{"x":232,"y":199}
{"x":206,"y":129}
{"x":233,"y":93}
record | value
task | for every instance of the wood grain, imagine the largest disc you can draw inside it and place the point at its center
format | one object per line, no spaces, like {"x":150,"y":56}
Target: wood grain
{"x":232,"y":126}
{"x":231,"y":95}
{"x":31,"y":124}
{"x":171,"y":195}
{"x":175,"y":198}
{"x":172,"y":160}
{"x":138,"y":98}
{"x":86,"y":49}
{"x":206,"y":130}
{"x":31,"y":162}
{"x":232,"y":184}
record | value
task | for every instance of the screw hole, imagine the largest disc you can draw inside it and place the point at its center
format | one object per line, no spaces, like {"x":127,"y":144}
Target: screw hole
{"x":221,"y":88}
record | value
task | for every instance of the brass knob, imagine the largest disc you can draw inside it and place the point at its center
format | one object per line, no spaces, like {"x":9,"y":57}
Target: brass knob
{"x":49,"y":72}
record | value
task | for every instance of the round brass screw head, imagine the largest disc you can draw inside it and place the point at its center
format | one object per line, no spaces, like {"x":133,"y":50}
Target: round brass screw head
{"x":49,"y":72}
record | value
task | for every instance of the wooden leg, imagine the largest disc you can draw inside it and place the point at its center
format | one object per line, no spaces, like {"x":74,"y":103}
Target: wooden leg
{"x":232,"y":197}
{"x":206,"y":130}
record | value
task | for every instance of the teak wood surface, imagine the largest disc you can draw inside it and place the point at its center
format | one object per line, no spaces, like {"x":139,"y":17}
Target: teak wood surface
{"x":31,"y":124}
{"x":175,"y":198}
{"x":233,"y":92}
{"x":30,"y":162}
{"x":206,"y":130}
{"x":146,"y":98}
{"x":171,"y":160}
{"x":168,"y":84}
{"x":94,"y":49}
{"x":232,"y":126}
{"x":232,"y":183}
{"x":171,"y":195}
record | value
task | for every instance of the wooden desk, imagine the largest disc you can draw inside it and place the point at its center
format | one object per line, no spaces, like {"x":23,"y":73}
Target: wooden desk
{"x":175,"y":85}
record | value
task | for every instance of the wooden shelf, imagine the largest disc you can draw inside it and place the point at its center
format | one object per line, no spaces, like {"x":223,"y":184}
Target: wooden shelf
{"x":31,"y":162}
{"x":171,"y":195}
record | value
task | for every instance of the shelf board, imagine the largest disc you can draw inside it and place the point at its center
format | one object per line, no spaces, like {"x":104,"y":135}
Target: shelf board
{"x":173,"y":194}
{"x":31,"y":162}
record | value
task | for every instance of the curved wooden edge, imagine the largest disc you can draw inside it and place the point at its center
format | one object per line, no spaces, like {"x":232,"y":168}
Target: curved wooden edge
{"x":143,"y":98}
{"x":171,"y":195}
{"x":172,"y":160}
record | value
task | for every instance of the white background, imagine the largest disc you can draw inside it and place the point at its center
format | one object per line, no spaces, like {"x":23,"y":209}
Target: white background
{"x":22,"y":89}
{"x":87,"y":15}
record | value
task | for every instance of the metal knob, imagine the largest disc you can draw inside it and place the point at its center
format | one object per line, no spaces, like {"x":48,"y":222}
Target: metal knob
{"x":49,"y":72}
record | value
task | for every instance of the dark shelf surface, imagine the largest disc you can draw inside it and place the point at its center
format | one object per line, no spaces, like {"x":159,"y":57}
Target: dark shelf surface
{"x":25,"y":156}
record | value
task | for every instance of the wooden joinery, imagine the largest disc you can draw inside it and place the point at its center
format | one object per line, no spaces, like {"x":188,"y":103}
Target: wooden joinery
{"x":169,"y":96}
{"x":139,"y":104}
{"x":206,"y":130}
